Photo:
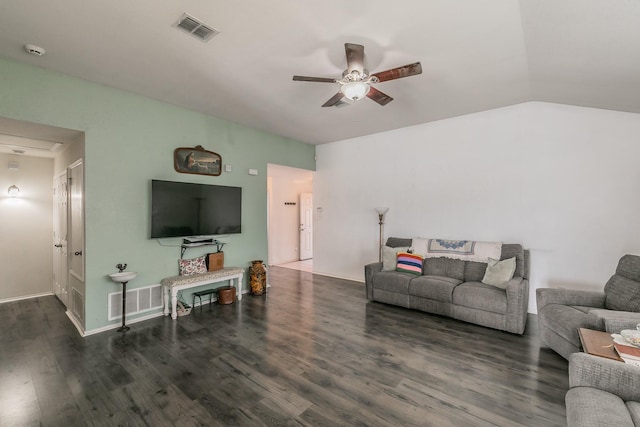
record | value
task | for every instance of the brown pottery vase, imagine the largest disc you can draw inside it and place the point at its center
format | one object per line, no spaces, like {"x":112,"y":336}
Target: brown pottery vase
{"x":258,"y":277}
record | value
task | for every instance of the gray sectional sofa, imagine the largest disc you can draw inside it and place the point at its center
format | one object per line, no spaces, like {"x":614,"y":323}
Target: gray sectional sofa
{"x":602,"y":392}
{"x":562,"y":311}
{"x":453,"y":288}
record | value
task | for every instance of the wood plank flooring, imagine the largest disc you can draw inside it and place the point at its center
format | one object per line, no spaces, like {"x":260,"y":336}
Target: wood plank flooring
{"x":313,"y":352}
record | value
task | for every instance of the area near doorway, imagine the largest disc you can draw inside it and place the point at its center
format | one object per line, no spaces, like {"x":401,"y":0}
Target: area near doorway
{"x":290,"y":214}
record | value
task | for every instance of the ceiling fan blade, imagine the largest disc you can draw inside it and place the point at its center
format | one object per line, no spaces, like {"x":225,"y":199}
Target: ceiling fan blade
{"x":335,"y":99}
{"x":399,"y":72}
{"x":380,"y":97}
{"x":355,"y":57}
{"x":313,"y":79}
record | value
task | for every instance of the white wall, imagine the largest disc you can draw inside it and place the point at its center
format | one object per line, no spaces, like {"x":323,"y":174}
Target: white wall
{"x":26,"y":227}
{"x":563,"y":181}
{"x":285,"y":184}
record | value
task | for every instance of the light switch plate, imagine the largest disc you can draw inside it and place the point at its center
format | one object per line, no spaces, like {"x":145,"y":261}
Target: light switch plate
{"x":253,"y":171}
{"x":227,"y":168}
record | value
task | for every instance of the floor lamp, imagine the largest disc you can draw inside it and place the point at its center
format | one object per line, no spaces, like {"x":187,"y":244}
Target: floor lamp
{"x":381,"y":212}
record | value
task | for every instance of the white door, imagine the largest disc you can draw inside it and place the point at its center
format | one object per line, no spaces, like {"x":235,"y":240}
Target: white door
{"x":306,"y":226}
{"x":60,"y":277}
{"x":76,"y":220}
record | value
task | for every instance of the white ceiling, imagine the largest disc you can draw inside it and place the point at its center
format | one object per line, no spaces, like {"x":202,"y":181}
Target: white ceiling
{"x":32,"y":139}
{"x":476,"y":55}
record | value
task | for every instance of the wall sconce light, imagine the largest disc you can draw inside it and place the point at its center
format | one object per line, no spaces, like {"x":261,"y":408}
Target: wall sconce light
{"x":381,"y":212}
{"x":13,"y":191}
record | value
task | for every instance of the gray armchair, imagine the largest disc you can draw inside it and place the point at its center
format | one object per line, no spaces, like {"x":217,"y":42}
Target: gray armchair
{"x":603,"y":392}
{"x":561,"y":311}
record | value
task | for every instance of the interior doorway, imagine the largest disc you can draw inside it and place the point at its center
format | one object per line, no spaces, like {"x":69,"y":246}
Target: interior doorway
{"x":290,"y":217}
{"x":37,"y":222}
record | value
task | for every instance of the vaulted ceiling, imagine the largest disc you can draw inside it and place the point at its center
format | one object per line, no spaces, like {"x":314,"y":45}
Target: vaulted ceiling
{"x":475,"y":54}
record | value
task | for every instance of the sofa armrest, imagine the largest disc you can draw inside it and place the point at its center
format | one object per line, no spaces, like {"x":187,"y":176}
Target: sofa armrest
{"x":517,"y":304}
{"x":604,"y":374}
{"x":369,"y":271}
{"x":545,"y":296}
{"x":613,"y":321}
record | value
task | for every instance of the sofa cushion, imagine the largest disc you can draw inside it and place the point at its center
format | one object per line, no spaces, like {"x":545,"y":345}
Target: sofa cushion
{"x":591,"y":407}
{"x":409,"y":263}
{"x":480,"y":296}
{"x":510,"y":250}
{"x":634,"y":411}
{"x":622,"y":294}
{"x":392,"y":281}
{"x":396,"y":242}
{"x":629,"y":267}
{"x":439,"y":288}
{"x":499,"y":273}
{"x":442,"y":266}
{"x":474,"y":271}
{"x":390,"y":257}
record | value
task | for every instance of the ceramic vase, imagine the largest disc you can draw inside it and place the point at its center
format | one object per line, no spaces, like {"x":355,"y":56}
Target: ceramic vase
{"x":258,"y":277}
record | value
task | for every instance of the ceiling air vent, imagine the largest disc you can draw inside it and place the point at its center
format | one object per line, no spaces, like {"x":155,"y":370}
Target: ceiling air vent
{"x":196,"y":28}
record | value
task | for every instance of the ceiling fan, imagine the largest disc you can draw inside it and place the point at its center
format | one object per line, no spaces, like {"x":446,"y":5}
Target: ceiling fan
{"x":356,"y":81}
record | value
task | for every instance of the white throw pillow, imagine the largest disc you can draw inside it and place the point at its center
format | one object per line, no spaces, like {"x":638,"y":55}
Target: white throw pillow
{"x":420,"y":245}
{"x":389,"y":257}
{"x":499,"y":272}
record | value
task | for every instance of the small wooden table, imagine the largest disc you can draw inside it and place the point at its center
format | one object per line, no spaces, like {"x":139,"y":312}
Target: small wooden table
{"x":598,"y":343}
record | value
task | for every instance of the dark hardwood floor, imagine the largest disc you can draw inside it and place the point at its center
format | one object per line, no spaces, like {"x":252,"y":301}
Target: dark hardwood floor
{"x":313,"y":352}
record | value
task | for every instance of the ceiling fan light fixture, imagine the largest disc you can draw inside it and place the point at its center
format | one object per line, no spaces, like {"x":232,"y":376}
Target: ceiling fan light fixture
{"x":355,"y":90}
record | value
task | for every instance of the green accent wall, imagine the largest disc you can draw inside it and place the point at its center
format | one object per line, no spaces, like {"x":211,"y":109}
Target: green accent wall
{"x":129,"y":140}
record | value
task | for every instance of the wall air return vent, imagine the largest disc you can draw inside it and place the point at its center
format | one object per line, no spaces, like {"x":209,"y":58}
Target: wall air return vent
{"x":196,"y":28}
{"x":139,"y":300}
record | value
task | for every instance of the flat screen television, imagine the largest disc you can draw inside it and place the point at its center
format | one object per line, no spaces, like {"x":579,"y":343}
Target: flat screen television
{"x":182,"y":209}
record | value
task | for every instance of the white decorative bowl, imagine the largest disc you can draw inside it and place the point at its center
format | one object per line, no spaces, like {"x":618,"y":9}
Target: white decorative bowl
{"x":631,"y":336}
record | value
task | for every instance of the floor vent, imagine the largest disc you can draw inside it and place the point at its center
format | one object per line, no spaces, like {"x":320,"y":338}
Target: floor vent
{"x":139,"y":300}
{"x":196,"y":28}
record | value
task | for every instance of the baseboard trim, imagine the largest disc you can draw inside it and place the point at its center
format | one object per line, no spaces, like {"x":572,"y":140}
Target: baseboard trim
{"x":23,"y":297}
{"x":75,"y":322}
{"x":117,"y":325}
{"x":338,"y":277}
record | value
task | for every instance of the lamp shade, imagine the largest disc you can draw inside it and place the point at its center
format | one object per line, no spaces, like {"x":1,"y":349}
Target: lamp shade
{"x":13,"y":191}
{"x":355,"y":90}
{"x":382,"y":210}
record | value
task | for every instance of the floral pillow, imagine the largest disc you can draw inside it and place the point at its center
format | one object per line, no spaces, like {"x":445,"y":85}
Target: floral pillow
{"x":192,"y":266}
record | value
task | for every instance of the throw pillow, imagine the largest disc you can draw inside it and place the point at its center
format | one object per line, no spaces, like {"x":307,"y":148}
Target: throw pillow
{"x":499,"y":272}
{"x":420,"y":245}
{"x":409,"y":263}
{"x":390,"y":257}
{"x":192,"y":266}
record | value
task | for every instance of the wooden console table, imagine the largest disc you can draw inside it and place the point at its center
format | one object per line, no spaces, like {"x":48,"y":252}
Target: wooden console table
{"x":172,"y":285}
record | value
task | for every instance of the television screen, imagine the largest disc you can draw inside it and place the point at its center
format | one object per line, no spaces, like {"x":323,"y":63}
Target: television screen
{"x":181,"y":209}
